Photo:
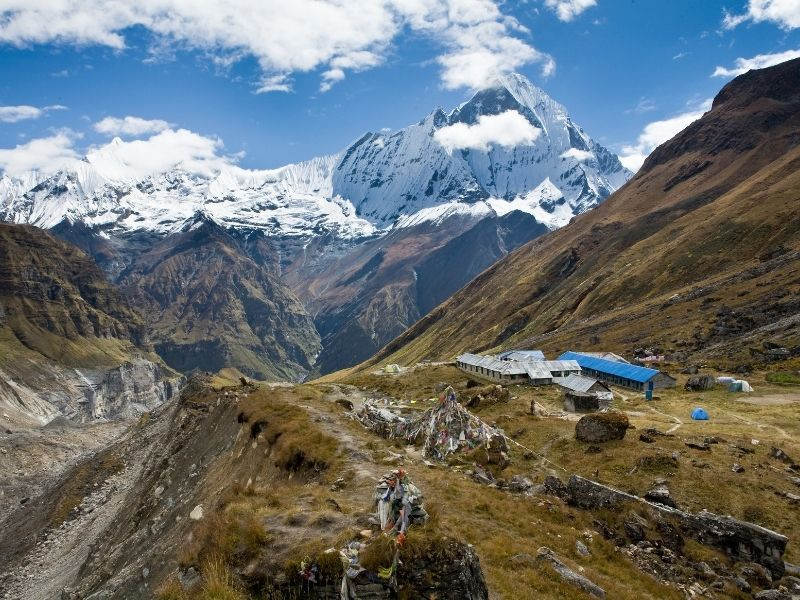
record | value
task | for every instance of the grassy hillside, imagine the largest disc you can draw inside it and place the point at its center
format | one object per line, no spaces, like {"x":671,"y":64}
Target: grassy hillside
{"x":697,"y":255}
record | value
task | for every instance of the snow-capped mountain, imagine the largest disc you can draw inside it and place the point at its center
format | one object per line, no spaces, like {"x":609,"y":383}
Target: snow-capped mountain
{"x":563,"y":173}
{"x":100,"y":192}
{"x":379,"y":181}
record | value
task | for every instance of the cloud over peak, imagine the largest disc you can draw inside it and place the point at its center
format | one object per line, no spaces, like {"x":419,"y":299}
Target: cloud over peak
{"x":506,"y":129}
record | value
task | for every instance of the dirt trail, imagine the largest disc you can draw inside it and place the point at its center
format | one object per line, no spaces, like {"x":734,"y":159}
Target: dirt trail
{"x":674,"y":419}
{"x":782,"y":432}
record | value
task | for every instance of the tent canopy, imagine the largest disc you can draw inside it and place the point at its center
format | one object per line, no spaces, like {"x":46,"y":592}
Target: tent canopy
{"x":699,"y":414}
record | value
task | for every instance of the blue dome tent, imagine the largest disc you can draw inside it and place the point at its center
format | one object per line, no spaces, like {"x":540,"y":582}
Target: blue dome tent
{"x":699,"y":414}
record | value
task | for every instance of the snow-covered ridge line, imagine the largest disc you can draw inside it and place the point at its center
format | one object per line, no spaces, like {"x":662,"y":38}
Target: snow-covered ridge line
{"x":379,"y":182}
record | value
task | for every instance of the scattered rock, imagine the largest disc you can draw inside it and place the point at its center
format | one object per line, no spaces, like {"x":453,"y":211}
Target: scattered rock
{"x":582,"y":549}
{"x":737,"y":468}
{"x":553,"y":486}
{"x":197,"y":513}
{"x":657,"y":432}
{"x":189,"y":578}
{"x":698,"y":445}
{"x":792,"y":498}
{"x":593,"y":449}
{"x":660,"y":493}
{"x":756,"y":574}
{"x":634,"y":530}
{"x":773,"y":595}
{"x":781,"y":456}
{"x":647,"y":439}
{"x":520,"y":485}
{"x":791,"y":583}
{"x":568,"y":575}
{"x":602,"y":427}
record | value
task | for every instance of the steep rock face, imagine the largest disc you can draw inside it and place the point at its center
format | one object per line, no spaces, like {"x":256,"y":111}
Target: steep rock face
{"x":34,"y":393}
{"x":413,"y":171}
{"x":695,"y":255}
{"x":70,"y":343}
{"x":209,"y":305}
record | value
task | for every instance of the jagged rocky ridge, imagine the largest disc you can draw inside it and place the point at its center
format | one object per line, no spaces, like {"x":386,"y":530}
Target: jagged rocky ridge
{"x":359,"y":237}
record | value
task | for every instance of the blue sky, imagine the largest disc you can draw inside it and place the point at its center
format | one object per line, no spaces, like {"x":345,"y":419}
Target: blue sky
{"x":629,"y":71}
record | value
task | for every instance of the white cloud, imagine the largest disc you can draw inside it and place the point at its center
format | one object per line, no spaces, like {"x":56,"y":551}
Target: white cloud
{"x":275,"y":83}
{"x":579,"y":155}
{"x":656,"y":133}
{"x":783,"y":13}
{"x":12,"y":114}
{"x":506,"y":129}
{"x":43,"y":154}
{"x":476,"y":38}
{"x":132,"y":126}
{"x":481,"y":51}
{"x":760,"y":61}
{"x":567,"y":10}
{"x":122,"y":160}
{"x":166,"y":150}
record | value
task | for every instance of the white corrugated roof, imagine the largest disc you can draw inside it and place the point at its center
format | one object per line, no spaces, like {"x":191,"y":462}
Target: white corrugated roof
{"x":577,"y":383}
{"x":493,"y":364}
{"x":535,"y":370}
{"x":522,"y":355}
{"x":560,"y":365}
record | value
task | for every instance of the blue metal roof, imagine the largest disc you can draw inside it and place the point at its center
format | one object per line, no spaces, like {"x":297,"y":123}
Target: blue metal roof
{"x":611,"y":367}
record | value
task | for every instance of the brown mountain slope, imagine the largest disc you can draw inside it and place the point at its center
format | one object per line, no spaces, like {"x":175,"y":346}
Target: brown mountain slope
{"x":56,"y":302}
{"x":209,"y":306}
{"x":70,"y":343}
{"x":698,"y":253}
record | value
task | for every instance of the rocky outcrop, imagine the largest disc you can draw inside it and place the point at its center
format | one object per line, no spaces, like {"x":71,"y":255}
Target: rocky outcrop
{"x":741,"y":540}
{"x":569,"y":576}
{"x":602,"y":427}
{"x":454,"y":571}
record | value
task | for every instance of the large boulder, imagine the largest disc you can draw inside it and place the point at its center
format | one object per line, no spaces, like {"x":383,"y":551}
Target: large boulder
{"x":700,"y":383}
{"x":602,"y":427}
